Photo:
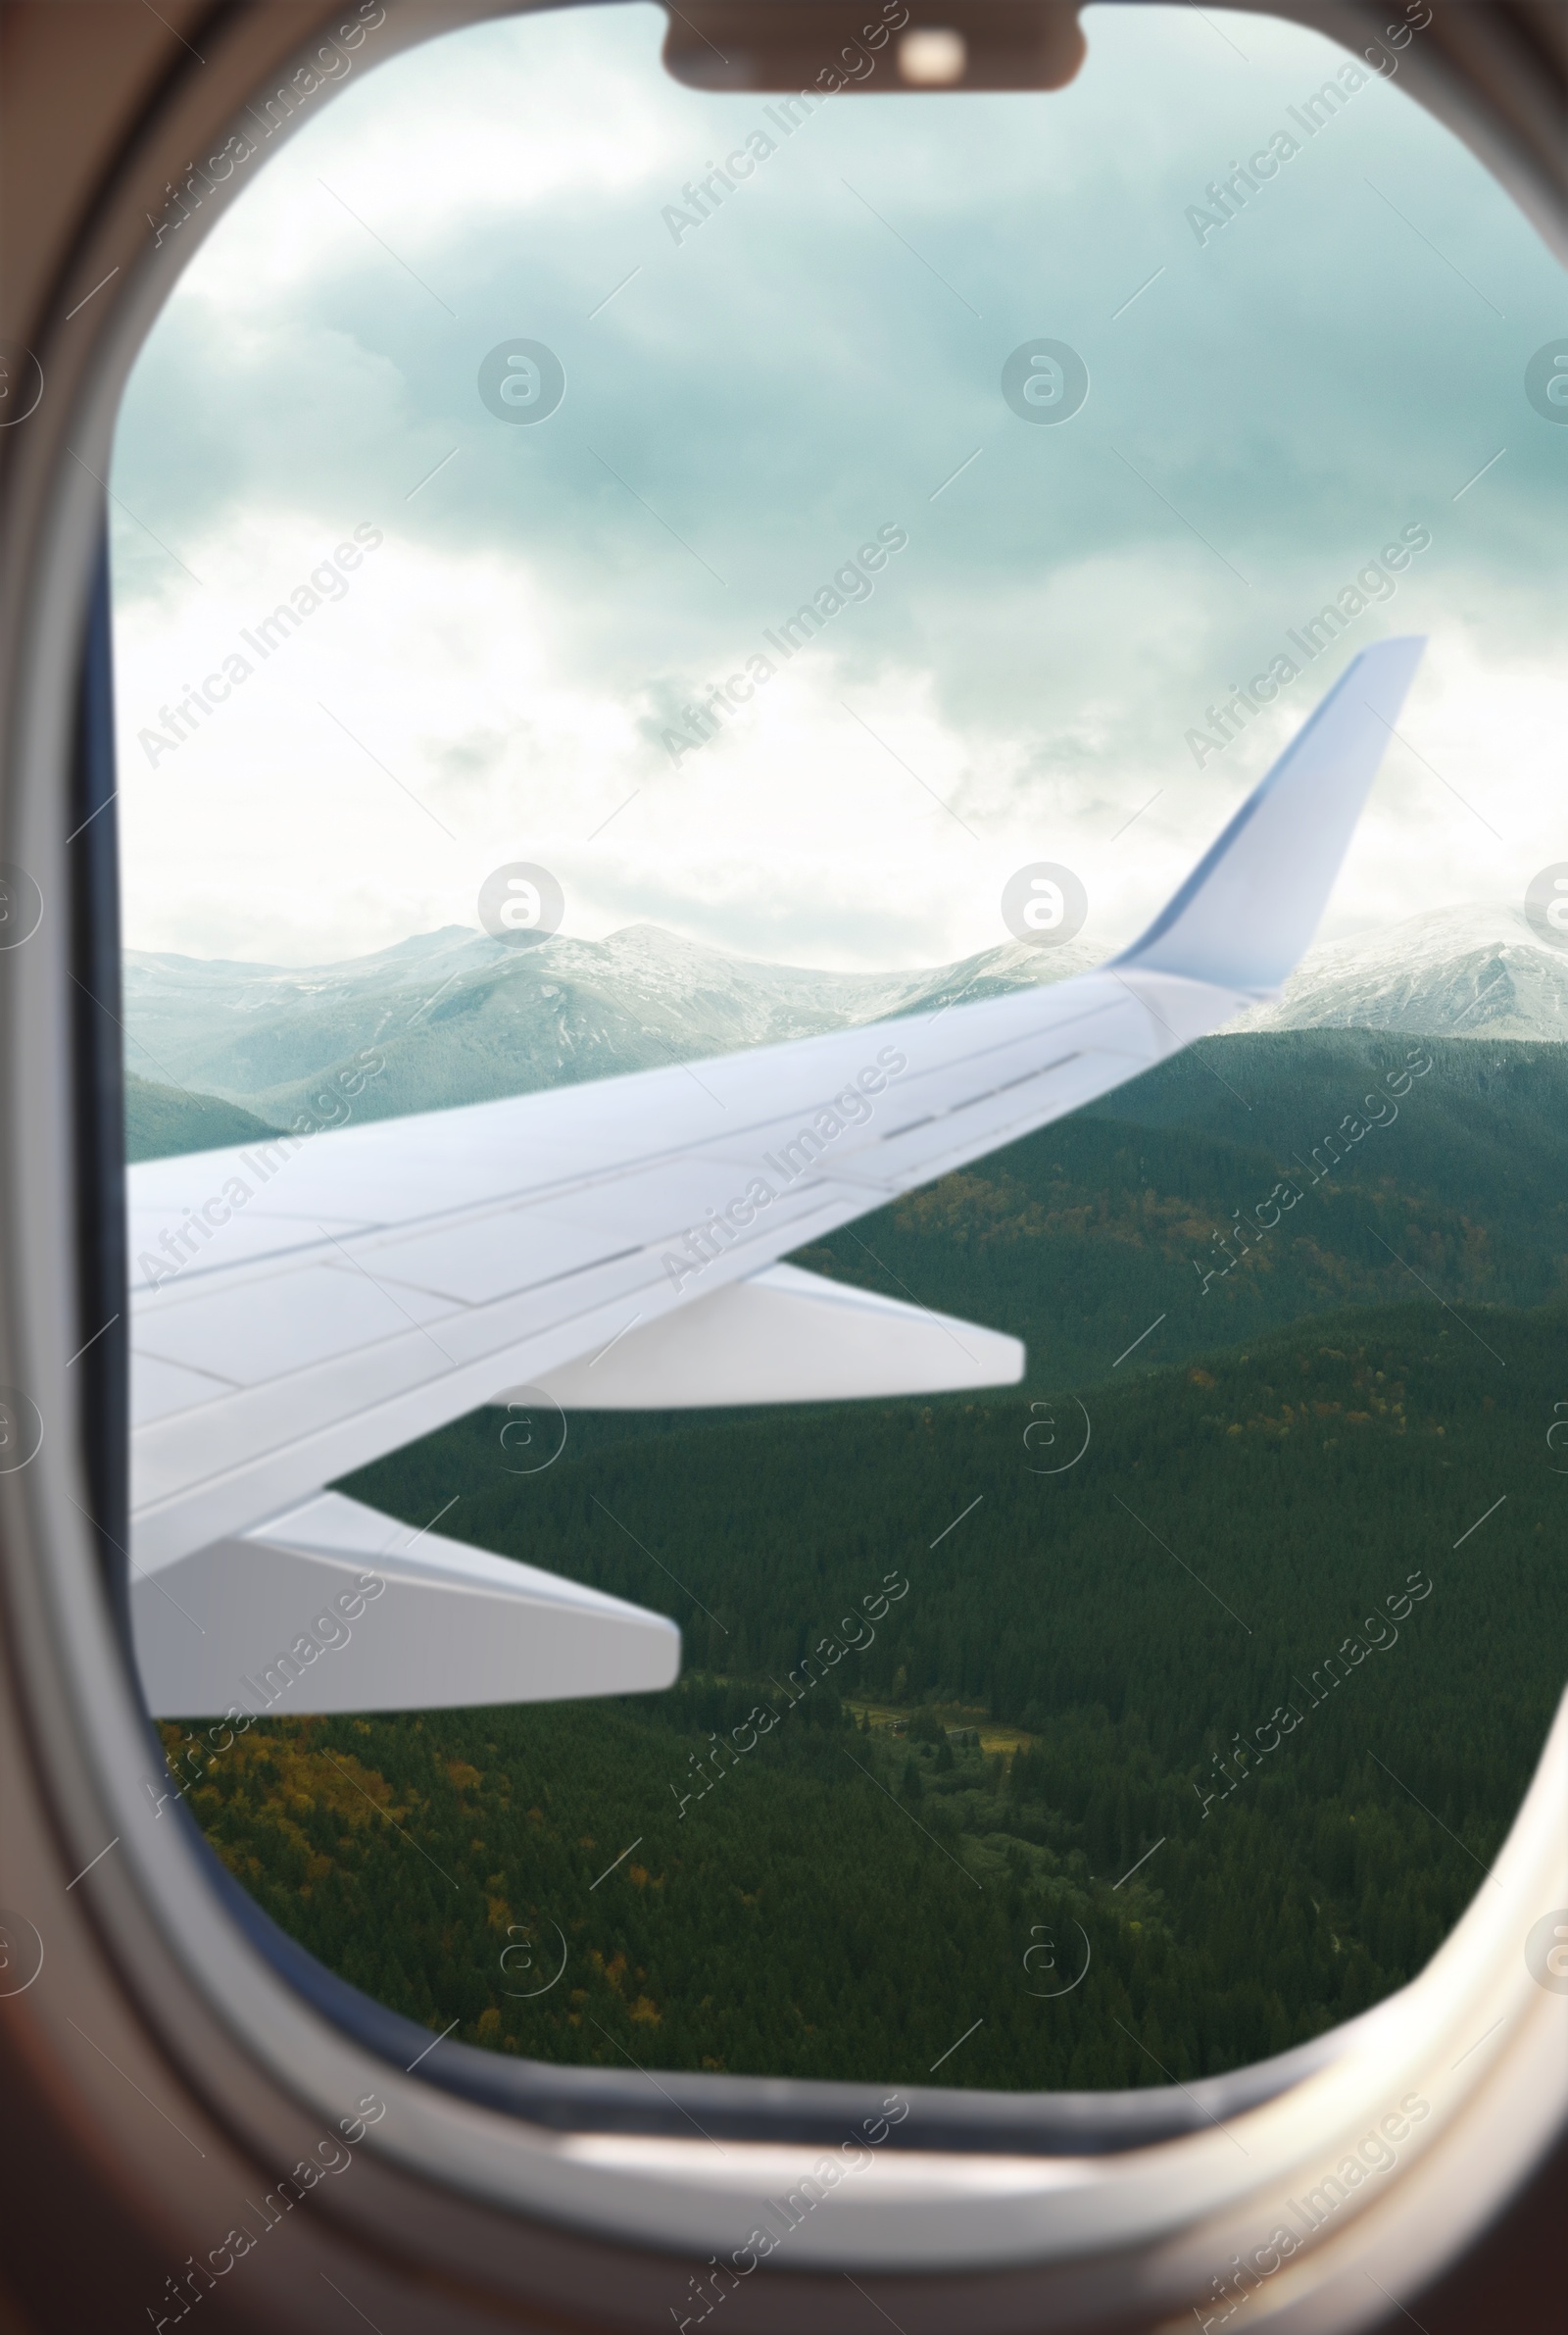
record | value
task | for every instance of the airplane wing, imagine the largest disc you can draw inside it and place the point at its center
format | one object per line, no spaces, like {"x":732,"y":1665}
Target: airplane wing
{"x":301,"y":1306}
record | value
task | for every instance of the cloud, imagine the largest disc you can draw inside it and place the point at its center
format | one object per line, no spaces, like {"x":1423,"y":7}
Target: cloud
{"x":742,"y":411}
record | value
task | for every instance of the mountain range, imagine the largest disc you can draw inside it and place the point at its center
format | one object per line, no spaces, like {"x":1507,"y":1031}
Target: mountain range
{"x":1455,"y":972}
{"x":454,"y":1016}
{"x":459,"y":1018}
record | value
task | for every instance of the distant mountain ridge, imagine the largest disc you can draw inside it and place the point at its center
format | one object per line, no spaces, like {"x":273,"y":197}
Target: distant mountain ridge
{"x":1467,"y":972}
{"x":453,"y":1016}
{"x":458,"y":1018}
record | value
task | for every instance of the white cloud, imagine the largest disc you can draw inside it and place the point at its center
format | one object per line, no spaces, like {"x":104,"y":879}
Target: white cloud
{"x":501,"y":669}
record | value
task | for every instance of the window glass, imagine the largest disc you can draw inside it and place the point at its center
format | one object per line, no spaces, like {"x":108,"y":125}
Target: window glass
{"x":752,"y":538}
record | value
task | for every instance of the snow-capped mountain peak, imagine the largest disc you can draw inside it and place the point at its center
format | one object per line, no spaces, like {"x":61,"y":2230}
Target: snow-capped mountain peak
{"x":1473,"y":971}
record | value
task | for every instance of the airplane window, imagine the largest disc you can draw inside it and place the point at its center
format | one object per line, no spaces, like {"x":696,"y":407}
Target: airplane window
{"x":614,"y":571}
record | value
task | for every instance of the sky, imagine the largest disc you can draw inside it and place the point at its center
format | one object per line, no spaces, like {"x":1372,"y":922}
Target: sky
{"x":751,"y":398}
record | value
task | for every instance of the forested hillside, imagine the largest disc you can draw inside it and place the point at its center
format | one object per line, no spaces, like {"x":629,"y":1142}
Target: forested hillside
{"x":1199,"y":1682}
{"x":1387,"y":1167}
{"x":163,"y":1121}
{"x":1257,"y":1623}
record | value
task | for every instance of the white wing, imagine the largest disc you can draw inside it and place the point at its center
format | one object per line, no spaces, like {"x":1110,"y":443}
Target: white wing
{"x":302,"y":1308}
{"x":335,"y":1608}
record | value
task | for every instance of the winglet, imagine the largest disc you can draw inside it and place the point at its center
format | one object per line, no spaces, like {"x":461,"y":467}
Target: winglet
{"x":1244,"y":916}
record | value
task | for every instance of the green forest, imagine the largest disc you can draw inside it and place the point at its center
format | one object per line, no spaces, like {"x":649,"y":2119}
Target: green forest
{"x":161,"y":1121}
{"x":1111,"y":1730}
